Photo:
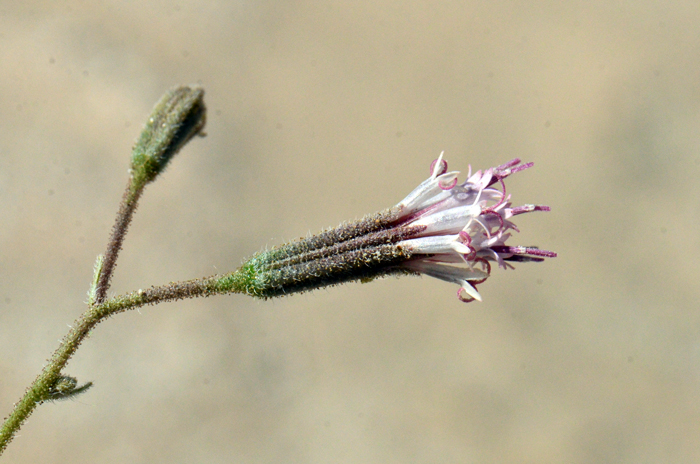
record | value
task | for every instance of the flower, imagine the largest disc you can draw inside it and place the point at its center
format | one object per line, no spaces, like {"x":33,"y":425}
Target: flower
{"x":464,"y":226}
{"x":442,"y":229}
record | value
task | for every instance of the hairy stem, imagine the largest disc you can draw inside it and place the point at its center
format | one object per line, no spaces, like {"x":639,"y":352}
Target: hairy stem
{"x":177,"y":117}
{"x":40,"y":390}
{"x":119,"y":230}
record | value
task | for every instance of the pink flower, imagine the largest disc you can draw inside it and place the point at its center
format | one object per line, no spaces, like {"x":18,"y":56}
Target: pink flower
{"x":464,"y":226}
{"x":443,"y":229}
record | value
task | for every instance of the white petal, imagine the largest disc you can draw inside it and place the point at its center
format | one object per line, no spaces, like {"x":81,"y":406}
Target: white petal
{"x":471,"y":291}
{"x":441,"y":244}
{"x":453,"y":274}
{"x":450,"y":221}
{"x":429,"y":245}
{"x":427,"y":193}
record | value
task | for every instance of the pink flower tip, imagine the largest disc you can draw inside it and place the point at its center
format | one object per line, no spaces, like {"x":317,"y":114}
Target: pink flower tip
{"x":464,"y":226}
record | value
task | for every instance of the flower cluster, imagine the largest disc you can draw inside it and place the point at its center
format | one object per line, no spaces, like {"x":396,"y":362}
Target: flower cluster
{"x":464,"y":226}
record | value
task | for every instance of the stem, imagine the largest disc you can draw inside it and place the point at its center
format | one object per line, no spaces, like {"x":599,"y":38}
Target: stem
{"x":121,"y":226}
{"x":39,"y":390}
{"x":177,"y":117}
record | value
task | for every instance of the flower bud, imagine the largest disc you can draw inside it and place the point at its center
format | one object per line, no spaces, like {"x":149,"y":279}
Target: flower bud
{"x":177,"y":117}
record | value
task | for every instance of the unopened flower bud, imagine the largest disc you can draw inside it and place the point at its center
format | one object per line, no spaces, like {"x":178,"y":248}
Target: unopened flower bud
{"x":177,"y":117}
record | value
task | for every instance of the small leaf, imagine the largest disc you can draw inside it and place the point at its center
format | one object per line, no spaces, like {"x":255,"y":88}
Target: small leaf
{"x":92,"y":294}
{"x":65,"y":387}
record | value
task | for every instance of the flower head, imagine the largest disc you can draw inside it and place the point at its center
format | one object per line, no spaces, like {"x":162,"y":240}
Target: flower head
{"x":464,"y":226}
{"x":443,"y":229}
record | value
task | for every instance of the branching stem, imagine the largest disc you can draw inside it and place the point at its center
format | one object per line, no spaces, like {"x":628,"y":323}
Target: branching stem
{"x":178,"y":116}
{"x":40,"y":389}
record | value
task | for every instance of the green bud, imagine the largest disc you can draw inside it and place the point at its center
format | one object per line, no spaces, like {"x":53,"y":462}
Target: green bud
{"x":177,"y":117}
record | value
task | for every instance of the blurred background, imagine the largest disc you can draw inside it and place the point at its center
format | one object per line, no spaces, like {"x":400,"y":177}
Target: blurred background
{"x":321,"y":112}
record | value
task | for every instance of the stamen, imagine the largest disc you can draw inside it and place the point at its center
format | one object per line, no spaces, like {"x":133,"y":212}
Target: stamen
{"x":507,"y":165}
{"x":520,"y":250}
{"x":526,"y":209}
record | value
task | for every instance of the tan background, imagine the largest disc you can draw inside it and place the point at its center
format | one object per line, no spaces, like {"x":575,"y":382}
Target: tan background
{"x":319,"y":112}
